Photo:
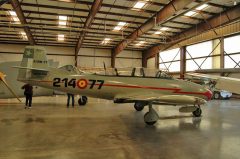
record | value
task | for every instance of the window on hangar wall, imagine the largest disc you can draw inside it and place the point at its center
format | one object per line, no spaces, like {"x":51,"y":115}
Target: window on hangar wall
{"x":232,"y":52}
{"x":170,"y":60}
{"x":198,"y":56}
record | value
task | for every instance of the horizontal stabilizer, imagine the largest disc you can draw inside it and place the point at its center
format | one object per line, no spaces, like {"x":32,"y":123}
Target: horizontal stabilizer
{"x":31,"y":68}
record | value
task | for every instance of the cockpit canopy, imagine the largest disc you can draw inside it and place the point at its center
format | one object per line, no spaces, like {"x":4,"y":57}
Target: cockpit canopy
{"x":71,"y":69}
{"x":135,"y":72}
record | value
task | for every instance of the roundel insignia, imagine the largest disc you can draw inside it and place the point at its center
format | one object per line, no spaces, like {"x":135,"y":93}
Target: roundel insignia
{"x":82,"y":83}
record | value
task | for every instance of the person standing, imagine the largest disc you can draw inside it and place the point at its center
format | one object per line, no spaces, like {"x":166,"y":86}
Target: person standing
{"x":28,"y":92}
{"x":68,"y":99}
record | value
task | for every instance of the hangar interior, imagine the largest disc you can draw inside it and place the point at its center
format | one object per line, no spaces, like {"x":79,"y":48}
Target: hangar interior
{"x":172,"y":35}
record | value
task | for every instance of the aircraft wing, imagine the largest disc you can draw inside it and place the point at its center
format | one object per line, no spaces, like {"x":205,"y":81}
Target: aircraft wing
{"x":223,"y":83}
{"x":159,"y":98}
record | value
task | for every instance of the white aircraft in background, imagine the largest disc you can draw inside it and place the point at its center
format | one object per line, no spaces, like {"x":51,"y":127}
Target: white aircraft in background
{"x":221,"y":82}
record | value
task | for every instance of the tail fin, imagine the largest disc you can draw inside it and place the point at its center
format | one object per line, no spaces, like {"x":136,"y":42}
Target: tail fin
{"x":34,"y":63}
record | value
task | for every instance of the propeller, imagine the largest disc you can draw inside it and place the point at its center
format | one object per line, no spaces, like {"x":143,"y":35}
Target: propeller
{"x":2,"y":78}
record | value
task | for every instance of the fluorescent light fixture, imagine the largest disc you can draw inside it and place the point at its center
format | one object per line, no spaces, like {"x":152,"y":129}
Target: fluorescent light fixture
{"x":117,"y":28}
{"x":190,"y":13}
{"x":122,"y":23}
{"x":61,"y":17}
{"x":12,"y":13}
{"x":140,"y":43}
{"x":158,"y":32}
{"x":60,"y":37}
{"x":139,"y":5}
{"x":62,"y":20}
{"x":62,"y":23}
{"x":105,"y":41}
{"x":23,"y":33}
{"x":24,"y":36}
{"x":202,"y":7}
{"x":15,"y":19}
{"x":164,"y":28}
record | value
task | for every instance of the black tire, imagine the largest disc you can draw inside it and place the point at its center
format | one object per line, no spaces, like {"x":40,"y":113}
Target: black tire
{"x":151,"y":123}
{"x":216,"y":95}
{"x":82,"y":100}
{"x":138,"y":107}
{"x":197,"y":112}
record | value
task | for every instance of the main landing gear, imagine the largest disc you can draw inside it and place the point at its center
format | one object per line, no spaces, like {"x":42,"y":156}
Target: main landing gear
{"x":82,"y":100}
{"x":197,"y":112}
{"x":139,"y":106}
{"x":151,"y":116}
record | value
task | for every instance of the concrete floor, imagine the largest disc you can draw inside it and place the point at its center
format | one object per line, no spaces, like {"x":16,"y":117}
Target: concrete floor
{"x":106,"y":130}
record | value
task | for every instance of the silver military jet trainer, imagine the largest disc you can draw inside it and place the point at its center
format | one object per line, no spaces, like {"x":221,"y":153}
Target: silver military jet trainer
{"x":138,"y":87}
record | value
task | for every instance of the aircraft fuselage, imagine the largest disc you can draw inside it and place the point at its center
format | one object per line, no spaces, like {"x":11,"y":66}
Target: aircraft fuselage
{"x":108,"y":87}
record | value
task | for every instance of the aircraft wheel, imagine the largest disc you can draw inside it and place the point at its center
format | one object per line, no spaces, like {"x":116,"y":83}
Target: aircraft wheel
{"x":138,"y":107}
{"x":82,"y":100}
{"x":148,"y":119}
{"x":216,"y":95}
{"x":197,"y":112}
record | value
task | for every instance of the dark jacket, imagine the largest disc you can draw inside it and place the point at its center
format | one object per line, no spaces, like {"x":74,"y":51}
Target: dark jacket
{"x":28,"y":89}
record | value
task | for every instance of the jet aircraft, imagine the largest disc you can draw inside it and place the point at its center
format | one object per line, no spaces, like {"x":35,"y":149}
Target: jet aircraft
{"x":137,"y":87}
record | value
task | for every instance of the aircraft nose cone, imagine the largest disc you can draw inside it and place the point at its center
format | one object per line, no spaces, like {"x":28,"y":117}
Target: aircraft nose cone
{"x":208,"y":94}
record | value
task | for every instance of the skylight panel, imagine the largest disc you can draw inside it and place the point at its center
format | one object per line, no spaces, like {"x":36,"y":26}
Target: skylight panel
{"x":139,"y":5}
{"x":190,"y":13}
{"x":202,"y":7}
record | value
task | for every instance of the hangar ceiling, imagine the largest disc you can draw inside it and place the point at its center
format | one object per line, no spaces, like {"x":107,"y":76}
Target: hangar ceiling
{"x":113,"y":24}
